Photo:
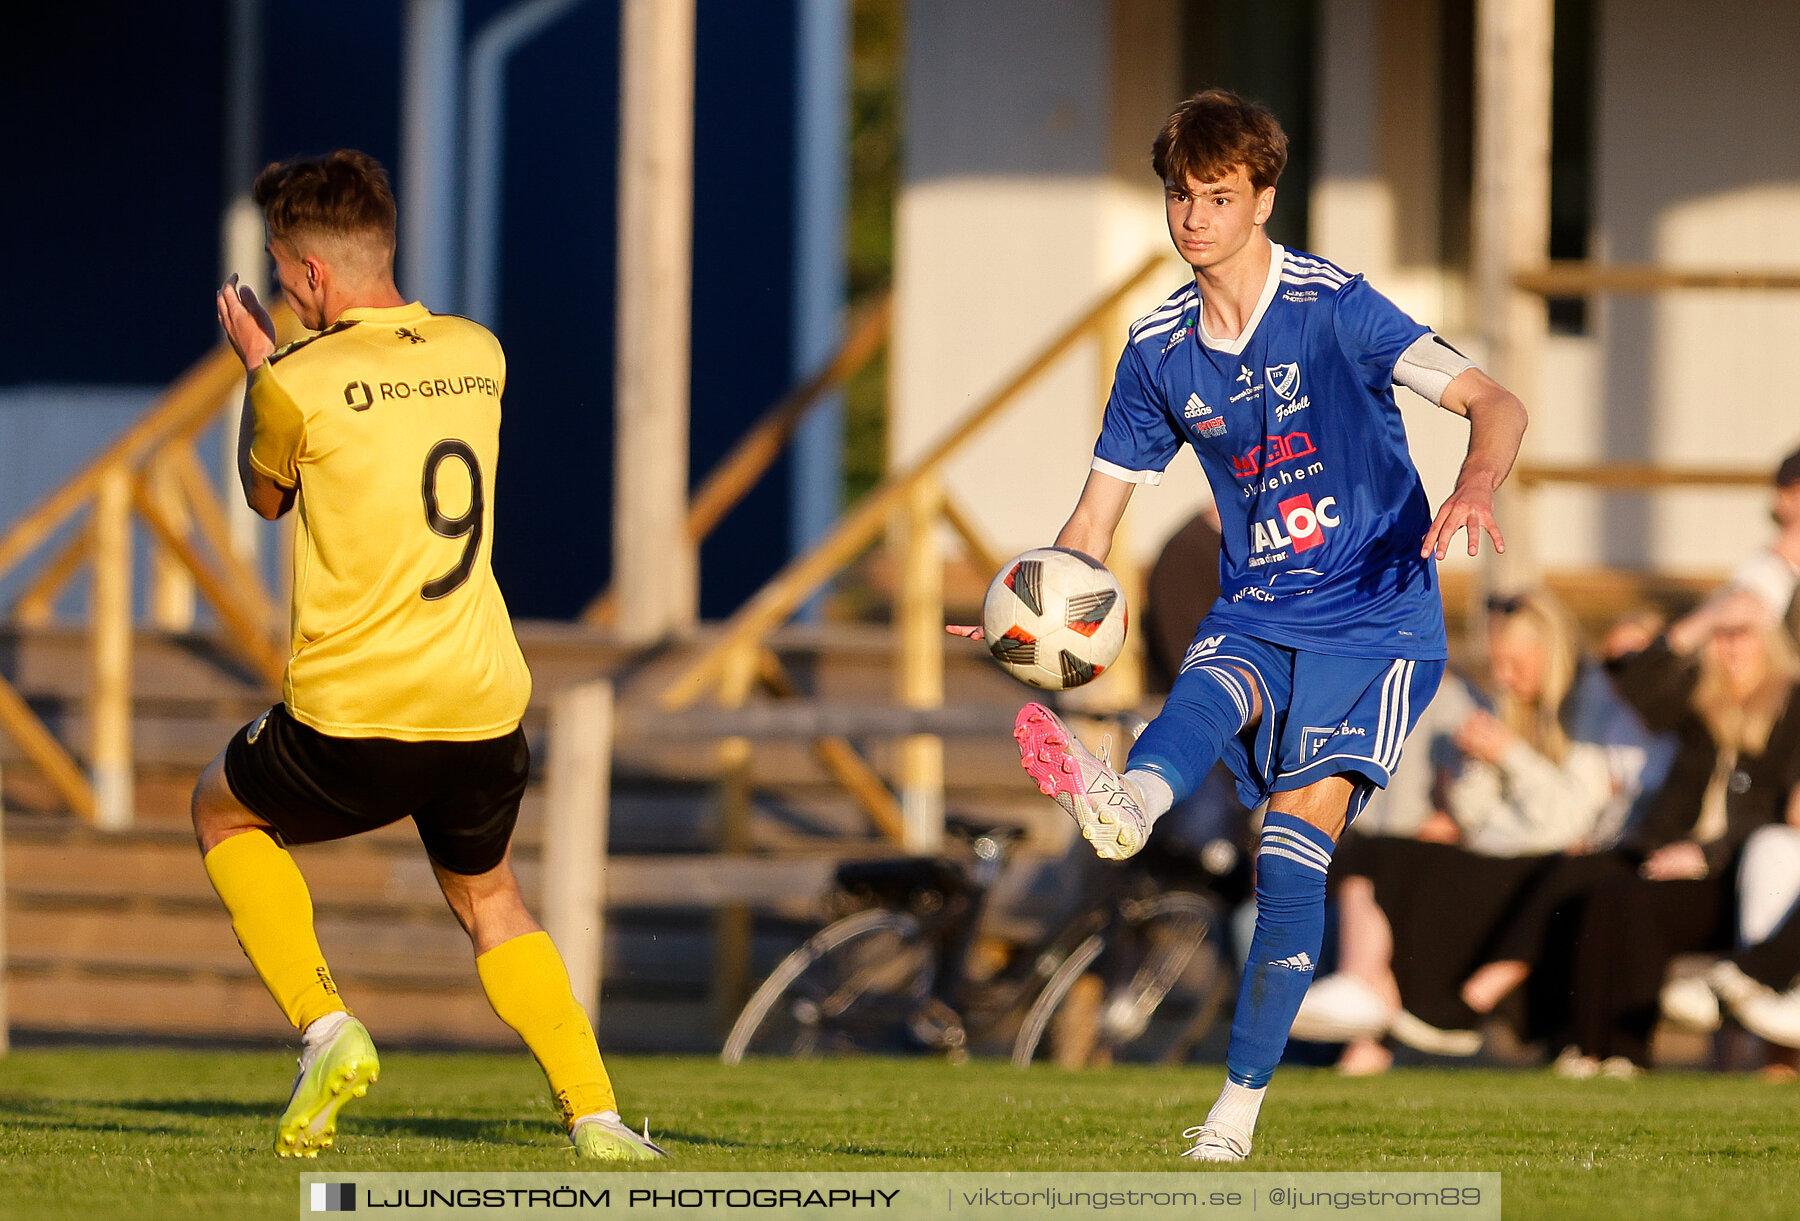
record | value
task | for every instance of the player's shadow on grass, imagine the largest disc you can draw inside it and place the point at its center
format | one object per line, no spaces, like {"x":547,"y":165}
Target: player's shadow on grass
{"x":51,"y":1124}
{"x":428,"y":1127}
{"x":204,"y":1108}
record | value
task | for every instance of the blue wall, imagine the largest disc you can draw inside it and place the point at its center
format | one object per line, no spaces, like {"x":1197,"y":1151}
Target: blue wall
{"x":113,"y":239}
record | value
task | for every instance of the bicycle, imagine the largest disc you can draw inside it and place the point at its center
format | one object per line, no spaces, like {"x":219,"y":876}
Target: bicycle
{"x":1136,"y":973}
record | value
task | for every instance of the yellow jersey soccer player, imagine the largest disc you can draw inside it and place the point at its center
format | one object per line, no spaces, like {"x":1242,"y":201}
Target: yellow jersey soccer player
{"x":404,"y":692}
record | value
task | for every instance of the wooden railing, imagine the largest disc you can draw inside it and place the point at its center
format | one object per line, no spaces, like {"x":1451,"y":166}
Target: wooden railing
{"x":914,"y":499}
{"x":153,"y":472}
{"x":738,"y":472}
{"x":1568,"y":278}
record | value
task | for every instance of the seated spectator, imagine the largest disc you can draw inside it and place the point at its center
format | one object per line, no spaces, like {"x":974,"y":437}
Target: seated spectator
{"x":1556,"y":769}
{"x":1721,"y":679}
{"x":1757,"y":981}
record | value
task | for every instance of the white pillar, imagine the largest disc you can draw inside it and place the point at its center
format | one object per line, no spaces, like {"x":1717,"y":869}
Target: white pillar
{"x":654,"y":565}
{"x":430,"y":123}
{"x":576,"y":819}
{"x":1512,"y":210}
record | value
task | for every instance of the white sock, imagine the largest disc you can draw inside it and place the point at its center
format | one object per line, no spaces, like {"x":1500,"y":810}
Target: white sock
{"x":1152,"y":791}
{"x":321,"y":1030}
{"x":1237,"y":1107}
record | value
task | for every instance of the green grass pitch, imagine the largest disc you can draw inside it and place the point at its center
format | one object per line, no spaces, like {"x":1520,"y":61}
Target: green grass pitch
{"x":172,"y":1134}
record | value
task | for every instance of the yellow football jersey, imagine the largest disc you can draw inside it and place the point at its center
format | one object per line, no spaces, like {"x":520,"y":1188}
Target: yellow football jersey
{"x":388,"y":422}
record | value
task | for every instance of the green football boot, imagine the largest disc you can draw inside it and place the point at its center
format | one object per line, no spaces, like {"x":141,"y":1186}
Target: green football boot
{"x":340,"y":1066}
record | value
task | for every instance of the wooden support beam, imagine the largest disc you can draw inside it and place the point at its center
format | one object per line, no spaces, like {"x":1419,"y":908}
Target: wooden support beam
{"x":215,"y":527}
{"x":859,"y":528}
{"x":732,"y":922}
{"x":245,"y":621}
{"x":576,"y":823}
{"x":839,"y":756}
{"x":171,"y":584}
{"x":921,"y":661}
{"x":750,"y":458}
{"x":976,"y":549}
{"x":1638,"y":476}
{"x":21,"y":724}
{"x":36,"y":605}
{"x":110,"y":628}
{"x":1571,"y":278}
{"x":738,"y":473}
{"x":188,"y":405}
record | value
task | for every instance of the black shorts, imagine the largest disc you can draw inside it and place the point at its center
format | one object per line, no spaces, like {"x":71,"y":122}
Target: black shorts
{"x":311,"y":787}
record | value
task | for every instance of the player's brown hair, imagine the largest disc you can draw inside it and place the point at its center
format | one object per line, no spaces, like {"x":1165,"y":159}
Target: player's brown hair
{"x":1213,"y":132}
{"x":344,"y":194}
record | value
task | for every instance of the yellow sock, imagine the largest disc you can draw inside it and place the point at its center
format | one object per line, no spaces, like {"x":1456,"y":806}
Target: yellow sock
{"x":272,"y":915}
{"x":528,"y":986}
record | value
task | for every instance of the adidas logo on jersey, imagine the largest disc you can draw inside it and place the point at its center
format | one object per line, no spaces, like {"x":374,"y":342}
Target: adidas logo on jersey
{"x":1301,"y":962}
{"x":1195,"y":408}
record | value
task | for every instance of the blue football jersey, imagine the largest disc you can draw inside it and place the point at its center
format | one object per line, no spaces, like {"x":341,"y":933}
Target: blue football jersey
{"x":1296,"y":427}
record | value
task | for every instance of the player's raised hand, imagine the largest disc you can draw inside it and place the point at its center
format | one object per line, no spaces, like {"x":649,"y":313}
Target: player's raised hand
{"x":972,"y":631}
{"x":246,"y":323}
{"x":1470,"y":509}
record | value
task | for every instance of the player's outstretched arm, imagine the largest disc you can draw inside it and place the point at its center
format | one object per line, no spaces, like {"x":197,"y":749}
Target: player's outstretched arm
{"x":1497,"y":422}
{"x":1097,"y":514}
{"x":1089,"y":529}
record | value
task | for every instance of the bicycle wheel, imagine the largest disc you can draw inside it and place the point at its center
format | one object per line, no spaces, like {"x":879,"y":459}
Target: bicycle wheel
{"x":1164,"y":980}
{"x":849,"y":990}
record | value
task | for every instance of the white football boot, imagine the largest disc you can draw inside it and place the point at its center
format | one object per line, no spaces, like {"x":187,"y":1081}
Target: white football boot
{"x":1215,"y":1142}
{"x":1085,"y":786}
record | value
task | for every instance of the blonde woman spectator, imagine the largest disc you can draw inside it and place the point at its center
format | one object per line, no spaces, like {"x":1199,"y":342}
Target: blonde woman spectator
{"x":1555,"y":767}
{"x":1722,"y":679}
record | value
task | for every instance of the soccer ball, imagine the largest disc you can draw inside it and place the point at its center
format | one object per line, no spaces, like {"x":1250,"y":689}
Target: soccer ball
{"x":1054,"y":618}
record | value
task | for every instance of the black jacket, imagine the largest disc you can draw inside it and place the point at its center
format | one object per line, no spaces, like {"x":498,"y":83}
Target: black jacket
{"x":1660,"y":686}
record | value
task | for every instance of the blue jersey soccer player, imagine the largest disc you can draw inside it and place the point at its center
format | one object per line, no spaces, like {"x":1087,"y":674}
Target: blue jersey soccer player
{"x":1328,"y":638}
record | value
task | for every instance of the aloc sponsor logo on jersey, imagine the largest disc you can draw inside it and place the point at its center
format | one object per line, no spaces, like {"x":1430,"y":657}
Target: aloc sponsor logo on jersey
{"x":1300,"y":527}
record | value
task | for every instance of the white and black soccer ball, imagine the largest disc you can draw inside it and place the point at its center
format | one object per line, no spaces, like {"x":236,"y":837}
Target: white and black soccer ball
{"x":1054,"y":618}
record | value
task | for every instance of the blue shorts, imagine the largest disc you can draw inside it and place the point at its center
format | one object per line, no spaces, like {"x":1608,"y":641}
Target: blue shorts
{"x":1322,"y":714}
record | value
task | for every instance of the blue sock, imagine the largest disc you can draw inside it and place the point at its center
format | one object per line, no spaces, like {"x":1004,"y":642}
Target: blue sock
{"x":1291,"y":863}
{"x":1188,"y":736}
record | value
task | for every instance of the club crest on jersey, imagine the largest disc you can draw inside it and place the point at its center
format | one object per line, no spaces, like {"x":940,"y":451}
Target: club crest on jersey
{"x":1284,"y":380}
{"x":1300,"y":526}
